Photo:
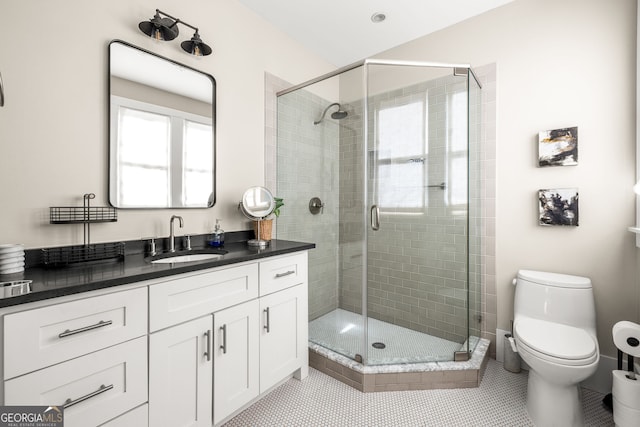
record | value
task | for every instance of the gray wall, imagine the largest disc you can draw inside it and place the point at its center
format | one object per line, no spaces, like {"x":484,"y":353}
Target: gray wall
{"x":307,"y":166}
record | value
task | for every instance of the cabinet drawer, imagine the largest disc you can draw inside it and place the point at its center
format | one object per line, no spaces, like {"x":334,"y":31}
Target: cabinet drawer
{"x":41,"y":337}
{"x":94,"y":388}
{"x":138,"y":417}
{"x":283,"y":272}
{"x":187,"y":298}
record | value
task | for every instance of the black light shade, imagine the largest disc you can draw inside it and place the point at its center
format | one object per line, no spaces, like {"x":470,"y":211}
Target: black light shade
{"x":165,"y":27}
{"x":160,"y":28}
{"x":196,"y":46}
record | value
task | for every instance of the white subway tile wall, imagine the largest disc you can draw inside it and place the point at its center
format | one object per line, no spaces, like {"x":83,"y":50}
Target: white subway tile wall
{"x":307,"y":166}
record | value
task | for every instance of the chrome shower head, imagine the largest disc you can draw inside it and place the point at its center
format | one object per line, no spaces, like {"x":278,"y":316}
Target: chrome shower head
{"x":337,"y":115}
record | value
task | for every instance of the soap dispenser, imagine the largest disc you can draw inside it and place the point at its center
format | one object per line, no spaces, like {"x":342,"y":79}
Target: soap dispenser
{"x":217,"y":237}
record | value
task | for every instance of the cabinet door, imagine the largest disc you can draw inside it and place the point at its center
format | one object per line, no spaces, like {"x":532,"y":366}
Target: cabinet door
{"x":283,"y":336}
{"x":236,"y":358}
{"x":180,"y":375}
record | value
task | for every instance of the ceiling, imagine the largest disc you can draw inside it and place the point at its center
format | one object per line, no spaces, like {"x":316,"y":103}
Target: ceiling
{"x":341,"y":31}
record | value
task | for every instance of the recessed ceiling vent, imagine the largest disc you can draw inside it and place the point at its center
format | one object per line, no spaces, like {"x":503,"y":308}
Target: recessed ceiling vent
{"x":378,"y":17}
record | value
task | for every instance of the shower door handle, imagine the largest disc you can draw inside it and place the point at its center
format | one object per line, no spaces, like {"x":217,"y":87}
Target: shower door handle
{"x":375,"y":218}
{"x":1,"y":92}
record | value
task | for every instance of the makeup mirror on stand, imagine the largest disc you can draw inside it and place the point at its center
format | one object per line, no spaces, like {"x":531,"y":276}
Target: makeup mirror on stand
{"x":257,"y":204}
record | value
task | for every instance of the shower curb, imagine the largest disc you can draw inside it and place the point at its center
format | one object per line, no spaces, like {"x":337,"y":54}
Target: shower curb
{"x":402,"y":377}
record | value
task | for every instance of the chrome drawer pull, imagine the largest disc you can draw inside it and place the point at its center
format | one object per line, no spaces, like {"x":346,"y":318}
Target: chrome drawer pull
{"x":208,"y":352}
{"x":100,"y":324}
{"x":287,"y":273}
{"x":266,"y":325}
{"x":68,"y":403}
{"x":223,"y":346}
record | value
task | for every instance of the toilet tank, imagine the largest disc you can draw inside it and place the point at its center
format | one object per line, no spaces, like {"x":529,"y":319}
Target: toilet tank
{"x":555,"y":297}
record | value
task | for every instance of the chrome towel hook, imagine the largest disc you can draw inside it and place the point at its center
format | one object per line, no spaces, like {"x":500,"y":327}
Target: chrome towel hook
{"x":1,"y":92}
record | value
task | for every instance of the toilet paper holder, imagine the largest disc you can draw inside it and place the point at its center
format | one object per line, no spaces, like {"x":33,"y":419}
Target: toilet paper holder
{"x":626,"y":337}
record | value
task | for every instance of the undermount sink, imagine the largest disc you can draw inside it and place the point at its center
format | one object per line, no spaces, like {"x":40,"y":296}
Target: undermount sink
{"x":177,"y":258}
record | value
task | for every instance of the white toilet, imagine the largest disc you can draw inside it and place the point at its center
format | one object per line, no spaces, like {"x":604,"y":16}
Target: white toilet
{"x":555,"y":332}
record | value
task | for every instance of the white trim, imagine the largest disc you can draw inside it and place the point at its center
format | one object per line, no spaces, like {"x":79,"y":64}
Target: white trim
{"x":637,"y":124}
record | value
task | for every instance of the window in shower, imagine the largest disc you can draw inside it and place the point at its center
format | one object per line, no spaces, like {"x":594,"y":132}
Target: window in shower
{"x":402,"y":155}
{"x":457,"y":147}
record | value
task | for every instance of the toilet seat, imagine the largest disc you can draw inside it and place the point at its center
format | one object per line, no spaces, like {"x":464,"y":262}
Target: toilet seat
{"x":555,"y":342}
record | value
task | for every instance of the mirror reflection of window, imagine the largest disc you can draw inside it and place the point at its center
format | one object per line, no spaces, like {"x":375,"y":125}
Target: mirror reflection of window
{"x":143,"y":156}
{"x":197,"y":168}
{"x":170,"y":148}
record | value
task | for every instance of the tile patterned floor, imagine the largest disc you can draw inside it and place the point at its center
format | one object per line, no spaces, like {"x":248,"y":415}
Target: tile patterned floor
{"x":320,"y":401}
{"x":342,"y":331}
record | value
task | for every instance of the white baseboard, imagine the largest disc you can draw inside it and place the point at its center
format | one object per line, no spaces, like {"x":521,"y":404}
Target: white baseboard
{"x":602,"y":380}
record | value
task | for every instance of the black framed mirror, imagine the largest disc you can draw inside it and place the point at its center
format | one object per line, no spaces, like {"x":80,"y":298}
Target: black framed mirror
{"x":162,"y":131}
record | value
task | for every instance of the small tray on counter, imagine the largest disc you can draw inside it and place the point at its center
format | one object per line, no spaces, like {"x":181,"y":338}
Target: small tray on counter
{"x":14,"y":288}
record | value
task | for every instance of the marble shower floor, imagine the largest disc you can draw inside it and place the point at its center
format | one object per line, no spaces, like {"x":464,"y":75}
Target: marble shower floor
{"x":342,"y":331}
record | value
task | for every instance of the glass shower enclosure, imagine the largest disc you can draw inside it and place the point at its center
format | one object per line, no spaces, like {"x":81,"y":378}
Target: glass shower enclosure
{"x":377,"y":164}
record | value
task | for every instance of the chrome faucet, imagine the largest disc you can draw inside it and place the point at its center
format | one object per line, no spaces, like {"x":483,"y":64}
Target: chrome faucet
{"x":172,"y":243}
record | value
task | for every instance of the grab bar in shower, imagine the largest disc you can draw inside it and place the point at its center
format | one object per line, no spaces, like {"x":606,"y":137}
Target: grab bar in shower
{"x":442,"y":186}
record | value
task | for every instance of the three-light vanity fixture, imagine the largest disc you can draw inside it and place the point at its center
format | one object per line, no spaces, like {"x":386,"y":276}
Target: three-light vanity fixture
{"x":165,"y":27}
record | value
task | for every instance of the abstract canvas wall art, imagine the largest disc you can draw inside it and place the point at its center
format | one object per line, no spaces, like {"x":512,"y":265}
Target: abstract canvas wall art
{"x":558,"y":206}
{"x":558,"y":147}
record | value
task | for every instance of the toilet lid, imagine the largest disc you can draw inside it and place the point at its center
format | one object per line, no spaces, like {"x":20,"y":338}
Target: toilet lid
{"x":555,"y":339}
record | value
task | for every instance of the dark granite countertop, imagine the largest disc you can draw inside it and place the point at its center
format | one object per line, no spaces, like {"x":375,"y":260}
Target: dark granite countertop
{"x":55,"y":282}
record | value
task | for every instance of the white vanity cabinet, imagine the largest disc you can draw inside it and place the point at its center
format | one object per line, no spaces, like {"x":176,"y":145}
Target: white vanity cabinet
{"x":187,"y":351}
{"x":284,"y":314}
{"x":86,"y":354}
{"x":191,"y":349}
{"x":253,"y":324}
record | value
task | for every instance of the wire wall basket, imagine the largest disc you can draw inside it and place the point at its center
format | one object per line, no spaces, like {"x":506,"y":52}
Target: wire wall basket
{"x":79,"y":215}
{"x":82,"y":253}
{"x":85,"y":215}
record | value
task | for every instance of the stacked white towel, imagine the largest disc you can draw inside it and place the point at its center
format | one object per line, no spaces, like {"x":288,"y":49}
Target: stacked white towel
{"x":11,"y":258}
